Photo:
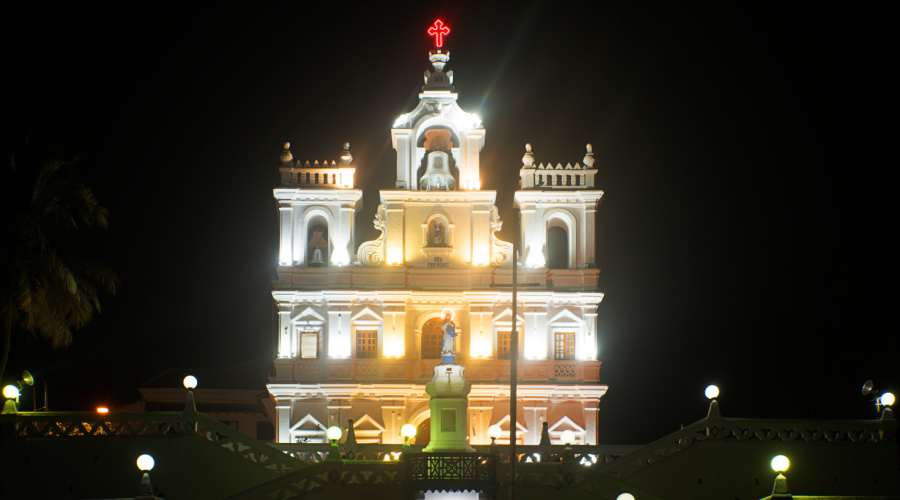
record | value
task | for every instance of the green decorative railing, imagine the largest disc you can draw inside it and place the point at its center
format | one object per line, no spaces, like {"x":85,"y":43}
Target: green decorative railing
{"x":717,"y":428}
{"x":313,"y":453}
{"x":83,"y":425}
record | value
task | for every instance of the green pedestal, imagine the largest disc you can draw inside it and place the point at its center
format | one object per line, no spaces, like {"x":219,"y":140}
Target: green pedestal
{"x":449,"y":391}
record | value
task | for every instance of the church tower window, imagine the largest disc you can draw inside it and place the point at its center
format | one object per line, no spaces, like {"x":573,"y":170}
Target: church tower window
{"x":317,"y":246}
{"x":564,"y":345}
{"x":366,"y":344}
{"x":432,"y":337}
{"x":557,"y":248}
{"x":309,"y":344}
{"x":503,"y":345}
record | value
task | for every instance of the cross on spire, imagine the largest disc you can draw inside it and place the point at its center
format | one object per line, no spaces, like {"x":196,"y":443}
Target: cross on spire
{"x":439,"y":31}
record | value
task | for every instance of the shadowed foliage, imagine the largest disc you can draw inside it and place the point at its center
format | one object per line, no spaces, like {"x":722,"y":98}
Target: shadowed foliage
{"x":50,"y":284}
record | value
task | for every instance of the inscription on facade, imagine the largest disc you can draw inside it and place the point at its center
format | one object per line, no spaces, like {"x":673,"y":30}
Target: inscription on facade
{"x":438,"y":263}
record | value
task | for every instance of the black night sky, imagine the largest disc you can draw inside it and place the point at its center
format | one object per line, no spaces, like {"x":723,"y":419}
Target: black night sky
{"x":744,"y":237}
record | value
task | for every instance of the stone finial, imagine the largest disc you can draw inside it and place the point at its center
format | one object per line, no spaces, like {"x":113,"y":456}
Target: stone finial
{"x":528,"y":159}
{"x":781,"y":486}
{"x":351,"y":431}
{"x":346,"y":157}
{"x":545,"y":434}
{"x":589,"y":156}
{"x":286,"y":156}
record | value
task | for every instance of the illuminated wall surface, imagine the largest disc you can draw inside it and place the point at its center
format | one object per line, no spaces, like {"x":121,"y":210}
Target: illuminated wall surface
{"x":357,"y":326}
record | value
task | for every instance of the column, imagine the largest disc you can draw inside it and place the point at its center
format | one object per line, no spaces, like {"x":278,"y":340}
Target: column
{"x":283,"y":420}
{"x":590,"y":422}
{"x":285,"y":252}
{"x":535,"y":415}
{"x":286,"y":349}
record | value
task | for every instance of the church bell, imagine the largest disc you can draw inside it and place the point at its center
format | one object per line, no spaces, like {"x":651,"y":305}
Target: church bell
{"x":437,"y":175}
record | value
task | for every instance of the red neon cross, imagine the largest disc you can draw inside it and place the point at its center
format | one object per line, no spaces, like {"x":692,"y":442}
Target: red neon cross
{"x":438,"y":31}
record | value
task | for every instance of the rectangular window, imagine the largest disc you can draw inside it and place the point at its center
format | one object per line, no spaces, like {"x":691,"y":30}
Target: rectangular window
{"x":366,"y":343}
{"x":309,"y":345}
{"x":503,"y":345}
{"x":564,"y":345}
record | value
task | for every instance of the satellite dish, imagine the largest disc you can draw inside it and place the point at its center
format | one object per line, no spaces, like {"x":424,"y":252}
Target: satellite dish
{"x":868,"y":387}
{"x":27,"y":378}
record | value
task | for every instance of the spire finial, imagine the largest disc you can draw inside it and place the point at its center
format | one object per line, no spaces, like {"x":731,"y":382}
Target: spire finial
{"x":286,"y":156}
{"x":589,"y":156}
{"x":346,"y":157}
{"x":528,"y":159}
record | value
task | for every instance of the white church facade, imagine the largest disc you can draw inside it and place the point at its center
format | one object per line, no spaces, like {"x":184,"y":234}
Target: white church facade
{"x":359,"y":327}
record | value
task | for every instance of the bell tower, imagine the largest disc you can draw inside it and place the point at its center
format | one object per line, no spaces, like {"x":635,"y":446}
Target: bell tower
{"x":460,"y":134}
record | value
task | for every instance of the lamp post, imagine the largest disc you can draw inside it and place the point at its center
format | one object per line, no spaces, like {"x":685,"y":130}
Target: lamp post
{"x":494,"y":432}
{"x":887,"y":399}
{"x":408,"y":431}
{"x":145,"y":464}
{"x":190,"y":405}
{"x":780,"y":490}
{"x":11,"y":393}
{"x":333,"y":434}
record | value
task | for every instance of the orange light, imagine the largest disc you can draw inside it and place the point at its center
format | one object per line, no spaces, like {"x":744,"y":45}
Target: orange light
{"x":102,"y":409}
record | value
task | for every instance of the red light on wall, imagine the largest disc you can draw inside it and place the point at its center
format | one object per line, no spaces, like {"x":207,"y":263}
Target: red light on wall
{"x":439,"y":31}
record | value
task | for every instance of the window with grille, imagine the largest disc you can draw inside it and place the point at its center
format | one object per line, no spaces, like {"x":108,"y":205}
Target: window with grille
{"x":564,"y":345}
{"x":366,"y":343}
{"x":503,"y":345}
{"x":432,"y":338}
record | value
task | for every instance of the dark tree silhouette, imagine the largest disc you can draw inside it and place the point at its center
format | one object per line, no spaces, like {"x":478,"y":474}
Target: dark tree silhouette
{"x":50,"y":285}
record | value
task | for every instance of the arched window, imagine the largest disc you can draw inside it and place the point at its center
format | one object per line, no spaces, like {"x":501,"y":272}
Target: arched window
{"x":432,"y":338}
{"x":557,"y":248}
{"x":317,"y":246}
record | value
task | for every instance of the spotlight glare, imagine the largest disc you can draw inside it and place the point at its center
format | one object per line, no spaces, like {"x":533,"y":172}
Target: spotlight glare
{"x":10,"y":392}
{"x":408,"y":431}
{"x":887,"y":399}
{"x":190,"y":382}
{"x":712,"y":392}
{"x":145,"y":462}
{"x":333,"y":433}
{"x":780,"y":463}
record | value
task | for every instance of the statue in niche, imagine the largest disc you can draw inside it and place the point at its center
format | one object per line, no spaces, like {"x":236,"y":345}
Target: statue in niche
{"x":448,"y":354}
{"x":438,"y":236}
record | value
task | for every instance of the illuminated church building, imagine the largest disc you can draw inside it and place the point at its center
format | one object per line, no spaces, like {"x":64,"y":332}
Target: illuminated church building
{"x":360,"y":329}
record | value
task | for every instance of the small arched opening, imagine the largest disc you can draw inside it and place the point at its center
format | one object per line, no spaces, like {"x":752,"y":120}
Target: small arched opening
{"x":317,"y":248}
{"x":557,"y":246}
